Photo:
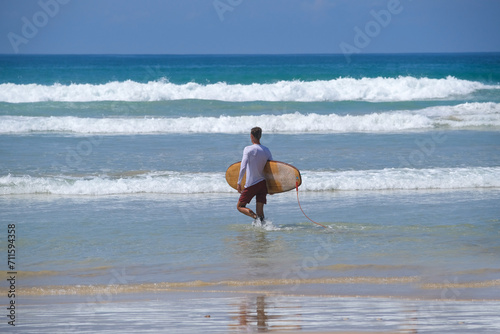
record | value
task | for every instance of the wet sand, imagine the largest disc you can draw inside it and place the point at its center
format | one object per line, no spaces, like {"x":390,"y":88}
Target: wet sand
{"x":253,"y":311}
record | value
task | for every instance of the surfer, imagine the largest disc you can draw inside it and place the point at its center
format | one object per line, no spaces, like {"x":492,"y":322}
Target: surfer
{"x":254,"y":159}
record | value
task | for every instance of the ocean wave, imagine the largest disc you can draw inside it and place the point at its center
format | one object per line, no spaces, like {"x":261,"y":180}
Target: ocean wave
{"x":340,"y":89}
{"x":198,"y":183}
{"x":460,"y":116}
{"x":403,"y":179}
{"x":114,"y":289}
{"x":173,"y":286}
{"x":465,"y":115}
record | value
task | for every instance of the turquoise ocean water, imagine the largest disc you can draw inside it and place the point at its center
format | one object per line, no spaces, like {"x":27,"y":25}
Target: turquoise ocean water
{"x":112,"y":170}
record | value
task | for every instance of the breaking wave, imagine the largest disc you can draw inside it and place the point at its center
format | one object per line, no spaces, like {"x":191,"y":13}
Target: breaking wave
{"x":193,"y":183}
{"x":340,"y":89}
{"x":461,"y":116}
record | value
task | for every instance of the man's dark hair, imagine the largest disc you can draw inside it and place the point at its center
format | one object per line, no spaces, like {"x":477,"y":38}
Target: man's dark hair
{"x":256,"y":132}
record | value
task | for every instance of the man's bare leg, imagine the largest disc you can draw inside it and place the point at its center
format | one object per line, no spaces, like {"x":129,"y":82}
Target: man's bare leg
{"x":260,"y":210}
{"x":246,"y":211}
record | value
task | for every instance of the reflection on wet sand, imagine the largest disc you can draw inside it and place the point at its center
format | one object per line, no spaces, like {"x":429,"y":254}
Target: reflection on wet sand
{"x":274,"y":314}
{"x":249,"y":313}
{"x":260,"y":255}
{"x":259,"y":315}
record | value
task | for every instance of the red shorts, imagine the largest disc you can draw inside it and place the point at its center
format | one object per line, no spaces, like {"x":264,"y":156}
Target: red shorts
{"x":258,"y":189}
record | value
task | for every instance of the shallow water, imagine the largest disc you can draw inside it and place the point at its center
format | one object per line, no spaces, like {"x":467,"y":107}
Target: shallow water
{"x":112,"y":171}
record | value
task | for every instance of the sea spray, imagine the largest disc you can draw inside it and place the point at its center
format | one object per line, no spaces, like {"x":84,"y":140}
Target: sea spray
{"x":379,"y":89}
{"x":451,"y":117}
{"x":168,"y":182}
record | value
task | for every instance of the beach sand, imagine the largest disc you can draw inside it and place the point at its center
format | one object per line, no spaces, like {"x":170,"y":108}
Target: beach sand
{"x":251,"y":308}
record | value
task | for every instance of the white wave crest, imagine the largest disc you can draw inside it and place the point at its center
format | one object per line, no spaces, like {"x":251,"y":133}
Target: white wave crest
{"x":341,"y":89}
{"x":465,"y":115}
{"x":403,"y":179}
{"x":154,"y":183}
{"x":224,"y":124}
{"x":460,"y":116}
{"x":196,"y":183}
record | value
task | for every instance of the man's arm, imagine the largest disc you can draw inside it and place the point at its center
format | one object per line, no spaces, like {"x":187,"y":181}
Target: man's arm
{"x":243,"y":168}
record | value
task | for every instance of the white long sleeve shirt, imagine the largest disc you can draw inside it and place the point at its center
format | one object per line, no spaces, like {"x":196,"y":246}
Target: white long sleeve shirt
{"x":254,"y":159}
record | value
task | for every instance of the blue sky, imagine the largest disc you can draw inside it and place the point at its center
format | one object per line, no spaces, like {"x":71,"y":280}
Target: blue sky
{"x":248,"y":26}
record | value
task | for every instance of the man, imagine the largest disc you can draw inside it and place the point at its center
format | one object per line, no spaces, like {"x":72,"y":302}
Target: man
{"x":254,"y":159}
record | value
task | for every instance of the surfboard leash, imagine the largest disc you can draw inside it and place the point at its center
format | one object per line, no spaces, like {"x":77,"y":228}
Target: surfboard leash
{"x":297,"y":188}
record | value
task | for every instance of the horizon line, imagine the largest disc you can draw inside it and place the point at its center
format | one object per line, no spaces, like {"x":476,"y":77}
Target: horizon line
{"x":251,"y":54}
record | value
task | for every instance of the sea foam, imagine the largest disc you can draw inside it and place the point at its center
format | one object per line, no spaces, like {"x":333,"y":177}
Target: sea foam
{"x":196,"y":183}
{"x":403,"y":88}
{"x":459,"y":116}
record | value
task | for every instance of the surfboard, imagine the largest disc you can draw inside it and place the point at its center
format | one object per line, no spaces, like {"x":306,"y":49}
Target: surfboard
{"x":280,"y":176}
